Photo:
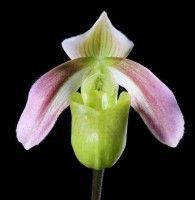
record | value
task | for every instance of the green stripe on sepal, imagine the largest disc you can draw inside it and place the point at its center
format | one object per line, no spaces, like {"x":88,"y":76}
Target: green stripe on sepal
{"x":101,"y":41}
{"x":99,"y":136}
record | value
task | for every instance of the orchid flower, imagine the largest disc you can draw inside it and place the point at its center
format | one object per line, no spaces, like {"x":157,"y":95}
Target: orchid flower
{"x":98,"y":66}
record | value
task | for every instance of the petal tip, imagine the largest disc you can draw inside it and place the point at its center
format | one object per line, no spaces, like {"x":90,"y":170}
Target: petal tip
{"x":172,"y":144}
{"x":27,"y":146}
{"x":21,"y":137}
{"x":104,"y":14}
{"x":104,"y":17}
{"x":174,"y":141}
{"x":175,"y":129}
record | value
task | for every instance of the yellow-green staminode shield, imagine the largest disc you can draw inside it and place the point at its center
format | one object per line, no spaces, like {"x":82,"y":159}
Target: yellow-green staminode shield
{"x":99,"y":136}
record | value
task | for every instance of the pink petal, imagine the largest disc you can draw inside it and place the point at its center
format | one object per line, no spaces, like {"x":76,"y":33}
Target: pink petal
{"x":152,"y":99}
{"x":47,"y":98}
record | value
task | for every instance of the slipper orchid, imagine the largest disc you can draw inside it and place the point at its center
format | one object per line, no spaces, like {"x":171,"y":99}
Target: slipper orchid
{"x":99,"y":118}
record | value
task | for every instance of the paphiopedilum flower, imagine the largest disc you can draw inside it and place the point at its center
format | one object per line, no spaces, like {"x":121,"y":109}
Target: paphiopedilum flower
{"x":99,"y":118}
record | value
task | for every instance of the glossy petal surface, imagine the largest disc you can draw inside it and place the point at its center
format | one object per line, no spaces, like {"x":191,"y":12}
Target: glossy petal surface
{"x":47,"y":98}
{"x":152,"y":99}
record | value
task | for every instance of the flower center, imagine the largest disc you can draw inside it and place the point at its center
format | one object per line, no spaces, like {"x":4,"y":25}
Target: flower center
{"x":99,"y":90}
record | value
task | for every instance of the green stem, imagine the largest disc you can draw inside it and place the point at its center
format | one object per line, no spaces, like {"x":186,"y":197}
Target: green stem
{"x":97,"y":184}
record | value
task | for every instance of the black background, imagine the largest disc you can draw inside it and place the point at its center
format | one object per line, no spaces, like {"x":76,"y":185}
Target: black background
{"x":32,"y":37}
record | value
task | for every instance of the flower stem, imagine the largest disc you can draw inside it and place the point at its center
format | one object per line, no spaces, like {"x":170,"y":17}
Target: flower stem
{"x":97,"y":184}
